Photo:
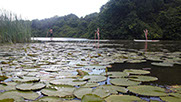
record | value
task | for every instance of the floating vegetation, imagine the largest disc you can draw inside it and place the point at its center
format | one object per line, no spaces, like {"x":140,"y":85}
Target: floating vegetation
{"x":163,"y":64}
{"x":148,"y":90}
{"x":74,"y":72}
{"x":123,"y":98}
{"x":113,"y":89}
{"x":92,"y":98}
{"x":116,"y":74}
{"x":2,"y":78}
{"x":123,"y":82}
{"x":142,"y":78}
{"x":30,"y":86}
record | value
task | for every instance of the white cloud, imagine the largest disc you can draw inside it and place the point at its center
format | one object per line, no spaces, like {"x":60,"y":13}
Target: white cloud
{"x":40,"y":9}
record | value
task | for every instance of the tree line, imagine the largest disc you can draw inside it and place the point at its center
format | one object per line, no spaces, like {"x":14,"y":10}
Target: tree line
{"x":119,"y":19}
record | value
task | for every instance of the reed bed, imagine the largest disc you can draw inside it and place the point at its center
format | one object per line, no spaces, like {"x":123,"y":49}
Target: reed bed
{"x":13,"y":28}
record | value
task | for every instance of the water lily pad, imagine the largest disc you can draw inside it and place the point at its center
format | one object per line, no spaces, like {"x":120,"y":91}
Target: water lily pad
{"x":101,"y":92}
{"x":122,"y":98}
{"x":61,"y":92}
{"x":79,"y":93}
{"x":147,"y":90}
{"x":113,"y":89}
{"x":123,"y":82}
{"x":30,"y":86}
{"x":163,"y":64}
{"x":89,"y":85}
{"x":95,"y":78}
{"x":92,"y":98}
{"x":142,"y":78}
{"x":7,"y":100}
{"x":136,"y":71}
{"x":8,"y":86}
{"x":136,"y":61}
{"x":116,"y":74}
{"x":50,"y":99}
{"x":17,"y":95}
{"x":71,"y":82}
{"x":171,"y":99}
{"x":26,"y":79}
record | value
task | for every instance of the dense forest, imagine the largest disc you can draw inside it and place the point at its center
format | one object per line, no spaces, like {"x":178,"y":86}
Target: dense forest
{"x":119,"y":19}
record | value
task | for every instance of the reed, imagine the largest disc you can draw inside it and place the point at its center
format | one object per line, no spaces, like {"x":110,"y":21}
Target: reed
{"x":13,"y":29}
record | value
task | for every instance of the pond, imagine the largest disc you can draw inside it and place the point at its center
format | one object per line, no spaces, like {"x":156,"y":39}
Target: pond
{"x":74,"y":70}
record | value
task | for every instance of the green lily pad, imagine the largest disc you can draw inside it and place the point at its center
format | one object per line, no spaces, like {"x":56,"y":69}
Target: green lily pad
{"x":26,"y":79}
{"x":79,"y":93}
{"x":30,"y":86}
{"x":95,"y":78}
{"x":136,"y":71}
{"x":113,"y":89}
{"x":72,"y":101}
{"x":60,"y":92}
{"x":89,"y":85}
{"x":8,"y":86}
{"x":136,"y":61}
{"x":142,"y":78}
{"x":122,"y":98}
{"x":147,"y":90}
{"x":116,"y":74}
{"x":171,"y":99}
{"x":50,"y":99}
{"x":19,"y":95}
{"x":92,"y":98}
{"x":163,"y":64}
{"x":71,"y":82}
{"x":7,"y":100}
{"x":101,"y":92}
{"x":123,"y":82}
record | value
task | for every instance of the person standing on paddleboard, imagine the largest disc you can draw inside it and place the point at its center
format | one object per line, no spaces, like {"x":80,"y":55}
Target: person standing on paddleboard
{"x":50,"y":33}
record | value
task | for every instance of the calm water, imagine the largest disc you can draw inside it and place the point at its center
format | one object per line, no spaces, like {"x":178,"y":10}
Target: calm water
{"x":166,"y":75}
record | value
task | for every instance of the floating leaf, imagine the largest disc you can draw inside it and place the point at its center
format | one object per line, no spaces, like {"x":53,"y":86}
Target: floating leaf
{"x":116,"y":74}
{"x":8,"y":86}
{"x":147,"y":90}
{"x":136,"y":71}
{"x":92,"y":98}
{"x":71,"y":82}
{"x":17,"y":95}
{"x":50,"y":99}
{"x":7,"y":100}
{"x":171,"y":99}
{"x":122,"y":98}
{"x":30,"y":86}
{"x":26,"y":79}
{"x":79,"y":93}
{"x":113,"y":89}
{"x":163,"y":64}
{"x":88,"y":85}
{"x":61,"y":92}
{"x":95,"y":78}
{"x":101,"y":92}
{"x":142,"y":78}
{"x":123,"y":82}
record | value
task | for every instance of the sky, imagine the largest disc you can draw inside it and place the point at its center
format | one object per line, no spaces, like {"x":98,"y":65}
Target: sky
{"x":40,"y":9}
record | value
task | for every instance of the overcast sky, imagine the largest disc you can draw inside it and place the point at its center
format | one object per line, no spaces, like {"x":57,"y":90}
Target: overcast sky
{"x":40,"y":9}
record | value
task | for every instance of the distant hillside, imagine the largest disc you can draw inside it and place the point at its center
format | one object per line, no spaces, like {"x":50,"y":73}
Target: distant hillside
{"x":119,"y":19}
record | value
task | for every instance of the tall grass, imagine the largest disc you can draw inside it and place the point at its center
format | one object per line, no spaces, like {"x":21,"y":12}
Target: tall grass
{"x":13,"y":29}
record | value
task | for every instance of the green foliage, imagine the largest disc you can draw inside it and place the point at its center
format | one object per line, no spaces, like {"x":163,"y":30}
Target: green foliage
{"x":119,"y":19}
{"x":13,"y":29}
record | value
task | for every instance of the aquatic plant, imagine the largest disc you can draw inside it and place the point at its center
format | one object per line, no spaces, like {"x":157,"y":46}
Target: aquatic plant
{"x":13,"y":29}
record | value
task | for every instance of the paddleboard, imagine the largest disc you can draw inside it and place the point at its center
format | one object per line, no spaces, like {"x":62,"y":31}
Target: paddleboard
{"x":146,"y":40}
